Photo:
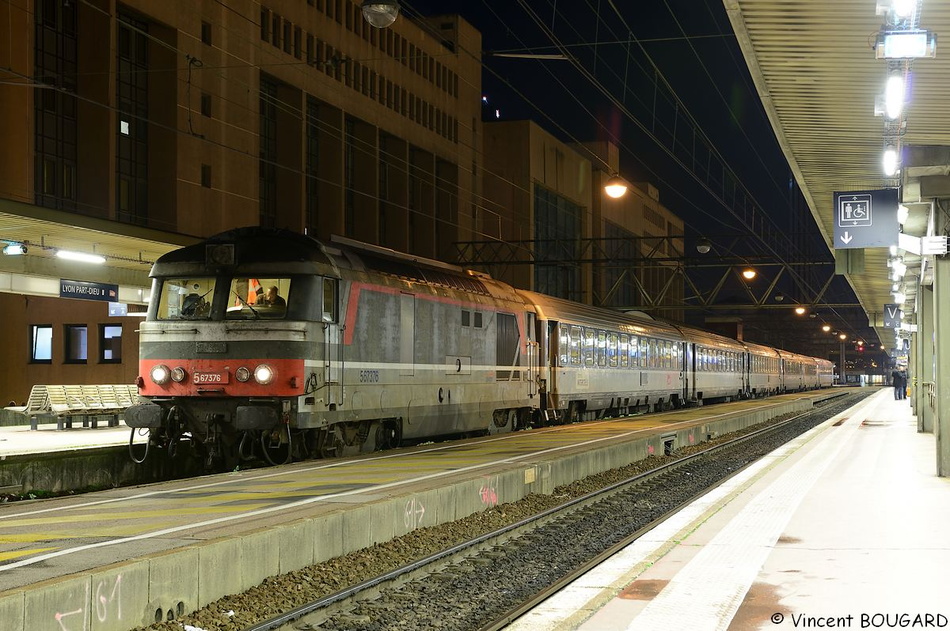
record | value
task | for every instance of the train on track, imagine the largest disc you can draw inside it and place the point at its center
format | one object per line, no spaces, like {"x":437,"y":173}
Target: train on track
{"x":367,"y":348}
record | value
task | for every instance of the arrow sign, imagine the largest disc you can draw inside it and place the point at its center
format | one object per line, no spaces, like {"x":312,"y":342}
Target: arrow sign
{"x":866,"y":219}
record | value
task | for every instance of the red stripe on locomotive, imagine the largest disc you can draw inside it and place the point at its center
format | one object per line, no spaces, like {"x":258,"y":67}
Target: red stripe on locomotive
{"x":216,"y":377}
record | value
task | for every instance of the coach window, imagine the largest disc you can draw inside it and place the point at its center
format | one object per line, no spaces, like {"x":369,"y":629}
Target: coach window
{"x":576,"y":335}
{"x":588,"y":352}
{"x":612,"y":350}
{"x":41,"y":344}
{"x":601,"y":348}
{"x":634,"y":352}
{"x":644,"y":352}
{"x":564,"y":345}
{"x":624,"y":351}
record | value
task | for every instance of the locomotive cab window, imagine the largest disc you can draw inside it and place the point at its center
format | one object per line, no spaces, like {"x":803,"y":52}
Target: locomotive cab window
{"x":258,"y":298}
{"x":186,"y":299}
{"x":329,"y":300}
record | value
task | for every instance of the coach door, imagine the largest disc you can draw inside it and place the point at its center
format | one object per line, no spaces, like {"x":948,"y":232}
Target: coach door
{"x":531,"y":349}
{"x":687,"y":373}
{"x":333,"y":348}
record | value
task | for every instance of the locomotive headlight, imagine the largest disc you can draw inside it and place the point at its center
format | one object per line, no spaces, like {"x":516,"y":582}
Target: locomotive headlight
{"x":178,"y":374}
{"x":242,"y":374}
{"x":263,"y":374}
{"x":160,"y":374}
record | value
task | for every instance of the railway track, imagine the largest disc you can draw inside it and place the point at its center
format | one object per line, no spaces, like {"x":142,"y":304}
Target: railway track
{"x":488,"y":581}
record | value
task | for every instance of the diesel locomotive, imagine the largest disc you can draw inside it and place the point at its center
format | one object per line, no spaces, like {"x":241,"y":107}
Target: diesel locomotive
{"x":367,"y":348}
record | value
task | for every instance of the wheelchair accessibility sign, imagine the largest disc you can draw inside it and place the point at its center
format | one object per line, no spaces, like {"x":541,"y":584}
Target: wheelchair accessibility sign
{"x":866,"y":219}
{"x":855,"y":210}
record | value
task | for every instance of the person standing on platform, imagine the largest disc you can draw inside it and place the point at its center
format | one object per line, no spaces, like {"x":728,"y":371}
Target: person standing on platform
{"x":897,"y":380}
{"x":903,"y":384}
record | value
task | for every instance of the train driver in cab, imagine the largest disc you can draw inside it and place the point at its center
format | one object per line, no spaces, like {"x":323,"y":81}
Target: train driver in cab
{"x":273,"y":299}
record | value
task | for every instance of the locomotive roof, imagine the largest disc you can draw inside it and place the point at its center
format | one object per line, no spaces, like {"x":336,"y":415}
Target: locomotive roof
{"x":273,"y":247}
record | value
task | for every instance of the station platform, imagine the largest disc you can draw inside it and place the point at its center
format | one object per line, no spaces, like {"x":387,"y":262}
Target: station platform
{"x":842,"y":528}
{"x":18,"y":440}
{"x":126,"y":557}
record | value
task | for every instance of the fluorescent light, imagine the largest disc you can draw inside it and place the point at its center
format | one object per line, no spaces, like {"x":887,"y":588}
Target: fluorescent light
{"x":894,"y":96}
{"x":14,"y":249}
{"x":82,"y":257}
{"x":906,"y":45}
{"x":902,"y":214}
{"x":904,"y":8}
{"x":890,"y":161}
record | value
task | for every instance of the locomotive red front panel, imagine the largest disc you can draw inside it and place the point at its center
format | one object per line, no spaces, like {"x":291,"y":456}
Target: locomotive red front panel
{"x":222,"y":377}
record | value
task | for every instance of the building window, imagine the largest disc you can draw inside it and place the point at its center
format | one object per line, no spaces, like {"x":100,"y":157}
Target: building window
{"x":556,"y":220}
{"x":206,"y":33}
{"x":41,"y":344}
{"x":206,"y":175}
{"x":55,"y":109}
{"x":76,"y":343}
{"x":132,"y":94}
{"x":110,"y":344}
{"x":268,"y":153}
{"x":313,"y":163}
{"x":205,"y":104}
{"x":265,"y":25}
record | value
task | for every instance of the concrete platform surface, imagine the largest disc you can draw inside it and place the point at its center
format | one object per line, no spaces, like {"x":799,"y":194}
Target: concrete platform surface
{"x":843,"y":528}
{"x":20,"y":439}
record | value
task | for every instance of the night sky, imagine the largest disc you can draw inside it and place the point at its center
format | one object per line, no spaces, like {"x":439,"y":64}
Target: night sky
{"x":657,"y":77}
{"x":693,"y":49}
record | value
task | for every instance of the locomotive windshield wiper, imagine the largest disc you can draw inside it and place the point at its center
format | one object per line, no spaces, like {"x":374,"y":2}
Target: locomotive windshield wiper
{"x":247,"y":304}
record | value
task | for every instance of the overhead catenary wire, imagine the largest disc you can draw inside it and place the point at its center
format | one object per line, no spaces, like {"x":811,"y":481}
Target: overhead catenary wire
{"x":297,"y":110}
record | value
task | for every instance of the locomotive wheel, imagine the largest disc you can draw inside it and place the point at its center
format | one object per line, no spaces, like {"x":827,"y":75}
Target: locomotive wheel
{"x":330,"y":445}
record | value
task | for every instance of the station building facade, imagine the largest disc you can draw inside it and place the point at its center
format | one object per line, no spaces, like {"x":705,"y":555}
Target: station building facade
{"x":132,"y":128}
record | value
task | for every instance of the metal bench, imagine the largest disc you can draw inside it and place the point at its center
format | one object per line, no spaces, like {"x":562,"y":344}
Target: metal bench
{"x":37,"y":405}
{"x":65,"y":403}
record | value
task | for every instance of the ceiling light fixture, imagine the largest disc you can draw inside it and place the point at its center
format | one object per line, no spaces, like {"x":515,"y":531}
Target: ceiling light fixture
{"x":81,"y":257}
{"x":748,"y":273}
{"x":906,"y":44}
{"x":902,"y":213}
{"x":14,"y":249}
{"x":890,"y":161}
{"x":894,"y":96}
{"x":703,"y":246}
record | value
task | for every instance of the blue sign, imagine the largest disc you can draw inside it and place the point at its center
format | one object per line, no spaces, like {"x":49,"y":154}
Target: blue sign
{"x":84,"y":290}
{"x":866,"y":219}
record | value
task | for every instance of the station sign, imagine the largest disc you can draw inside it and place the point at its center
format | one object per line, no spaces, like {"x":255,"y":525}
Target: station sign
{"x":866,"y":219}
{"x":892,"y":316}
{"x":84,"y":290}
